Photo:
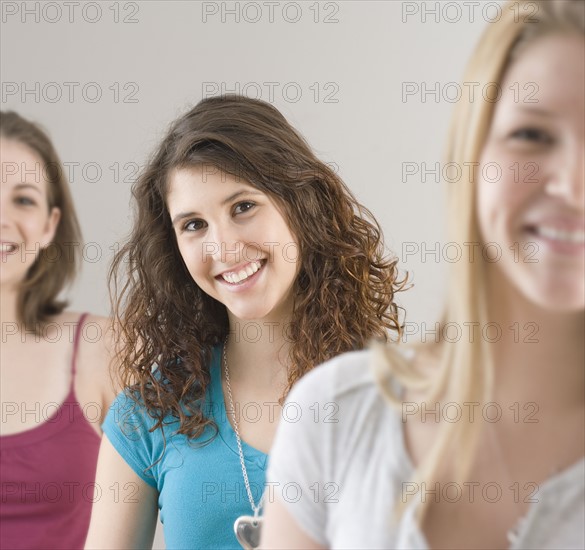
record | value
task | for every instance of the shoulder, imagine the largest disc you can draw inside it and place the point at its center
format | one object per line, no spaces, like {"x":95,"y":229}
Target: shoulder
{"x":345,"y":377}
{"x":344,"y":421}
{"x":93,"y":355}
{"x":129,"y":424}
{"x":93,"y":331}
{"x":95,"y":338}
{"x":351,"y":396}
{"x":338,"y":399}
{"x":128,"y":411}
{"x":128,"y":427}
{"x":95,"y":328}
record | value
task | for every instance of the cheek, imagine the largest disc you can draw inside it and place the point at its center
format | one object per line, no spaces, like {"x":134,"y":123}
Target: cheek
{"x":486,"y":200}
{"x":489,"y":199}
{"x":33,"y":224}
{"x":190,"y":258}
{"x":289,"y":251}
{"x":502,"y":196}
{"x":285,"y":236}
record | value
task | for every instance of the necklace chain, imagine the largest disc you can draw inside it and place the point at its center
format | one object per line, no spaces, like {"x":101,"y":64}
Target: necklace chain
{"x":232,"y":411}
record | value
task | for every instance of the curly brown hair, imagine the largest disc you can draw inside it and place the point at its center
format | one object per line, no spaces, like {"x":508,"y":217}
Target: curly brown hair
{"x":343,"y":294}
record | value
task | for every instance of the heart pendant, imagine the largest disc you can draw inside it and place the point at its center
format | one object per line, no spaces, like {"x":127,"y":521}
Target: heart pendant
{"x":248,"y":529}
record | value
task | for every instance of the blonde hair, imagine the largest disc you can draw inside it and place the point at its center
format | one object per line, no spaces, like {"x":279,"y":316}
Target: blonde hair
{"x":466,"y":372}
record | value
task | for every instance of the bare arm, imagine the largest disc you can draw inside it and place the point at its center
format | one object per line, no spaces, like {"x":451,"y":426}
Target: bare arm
{"x":281,"y":531}
{"x":125,"y":518}
{"x":94,"y":380}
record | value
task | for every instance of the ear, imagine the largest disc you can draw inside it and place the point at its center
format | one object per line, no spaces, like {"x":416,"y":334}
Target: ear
{"x":51,"y":227}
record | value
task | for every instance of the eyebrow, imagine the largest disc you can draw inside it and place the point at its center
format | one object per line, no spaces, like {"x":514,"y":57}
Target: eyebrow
{"x":232,"y":197}
{"x":538,"y":111}
{"x":28,"y":186}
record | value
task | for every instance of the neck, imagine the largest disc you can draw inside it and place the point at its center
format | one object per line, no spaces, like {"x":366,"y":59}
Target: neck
{"x":540,"y":355}
{"x":8,"y":305}
{"x":257,"y":351}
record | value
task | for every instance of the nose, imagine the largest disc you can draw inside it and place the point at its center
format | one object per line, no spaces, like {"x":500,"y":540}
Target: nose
{"x":223,"y":244}
{"x":567,"y":179}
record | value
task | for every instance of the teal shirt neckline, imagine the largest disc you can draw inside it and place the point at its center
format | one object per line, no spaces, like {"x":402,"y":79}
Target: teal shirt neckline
{"x":201,"y":489}
{"x":220,"y":415}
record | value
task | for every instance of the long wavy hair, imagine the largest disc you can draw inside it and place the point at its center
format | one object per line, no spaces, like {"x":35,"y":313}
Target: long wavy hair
{"x":465,"y":372}
{"x":57,"y":264}
{"x":343,"y":294}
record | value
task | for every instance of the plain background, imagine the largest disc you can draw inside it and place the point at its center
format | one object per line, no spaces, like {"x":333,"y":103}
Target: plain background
{"x":337,"y":70}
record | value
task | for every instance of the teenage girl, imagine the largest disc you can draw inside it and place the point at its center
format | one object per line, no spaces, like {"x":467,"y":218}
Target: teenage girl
{"x":249,"y":262}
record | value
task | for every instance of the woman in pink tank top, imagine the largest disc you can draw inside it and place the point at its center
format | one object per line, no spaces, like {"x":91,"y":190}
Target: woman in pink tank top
{"x":54,"y":383}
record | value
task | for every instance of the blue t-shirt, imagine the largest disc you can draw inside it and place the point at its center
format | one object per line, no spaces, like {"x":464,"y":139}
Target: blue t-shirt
{"x":201,"y":488}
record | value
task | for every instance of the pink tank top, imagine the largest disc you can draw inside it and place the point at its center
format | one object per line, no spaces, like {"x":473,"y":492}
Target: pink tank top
{"x":47,"y":476}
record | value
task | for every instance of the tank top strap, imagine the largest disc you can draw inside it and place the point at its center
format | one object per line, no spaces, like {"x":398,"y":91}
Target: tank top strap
{"x":76,"y":339}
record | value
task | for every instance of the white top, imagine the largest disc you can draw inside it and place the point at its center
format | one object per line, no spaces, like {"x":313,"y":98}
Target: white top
{"x":340,"y":467}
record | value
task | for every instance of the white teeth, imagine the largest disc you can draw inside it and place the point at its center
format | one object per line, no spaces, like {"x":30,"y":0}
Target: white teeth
{"x":6,"y":247}
{"x":243,"y":274}
{"x":576,"y":237}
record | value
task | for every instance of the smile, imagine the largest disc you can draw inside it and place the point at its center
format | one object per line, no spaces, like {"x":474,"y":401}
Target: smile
{"x":8,"y":248}
{"x":576,"y":236}
{"x":238,"y":277}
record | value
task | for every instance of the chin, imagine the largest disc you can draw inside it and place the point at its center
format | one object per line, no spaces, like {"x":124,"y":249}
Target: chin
{"x":249,"y":314}
{"x":11,"y":280}
{"x":561,"y":299}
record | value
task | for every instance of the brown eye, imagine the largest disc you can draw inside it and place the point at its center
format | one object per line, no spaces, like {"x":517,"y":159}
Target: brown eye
{"x":244,"y":206}
{"x":194,"y":225}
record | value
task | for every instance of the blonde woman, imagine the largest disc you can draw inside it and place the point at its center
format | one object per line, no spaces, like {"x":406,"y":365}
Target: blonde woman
{"x":484,"y":446}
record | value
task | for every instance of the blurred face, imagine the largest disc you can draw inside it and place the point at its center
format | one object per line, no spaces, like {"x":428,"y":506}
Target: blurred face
{"x":235,"y":242}
{"x":27,"y":223}
{"x":535,"y":210}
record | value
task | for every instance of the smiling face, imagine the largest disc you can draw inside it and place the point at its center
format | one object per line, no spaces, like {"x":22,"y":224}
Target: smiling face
{"x":535,"y":210}
{"x":27,"y":222}
{"x":235,"y":243}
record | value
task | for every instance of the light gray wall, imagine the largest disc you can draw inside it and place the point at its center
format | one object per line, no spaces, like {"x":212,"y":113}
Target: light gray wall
{"x":349,"y":62}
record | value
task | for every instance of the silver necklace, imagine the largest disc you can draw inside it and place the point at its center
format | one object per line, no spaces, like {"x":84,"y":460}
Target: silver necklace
{"x":247,"y":528}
